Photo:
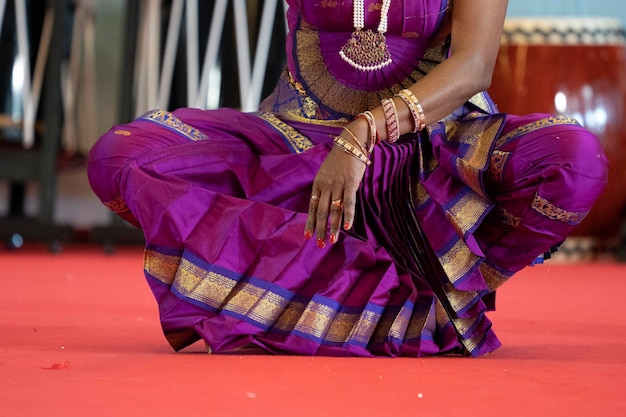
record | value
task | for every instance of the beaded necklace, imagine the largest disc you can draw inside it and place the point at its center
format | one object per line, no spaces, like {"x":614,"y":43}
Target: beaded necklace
{"x":367,"y":50}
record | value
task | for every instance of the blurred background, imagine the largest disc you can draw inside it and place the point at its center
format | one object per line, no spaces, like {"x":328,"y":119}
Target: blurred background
{"x":69,"y":70}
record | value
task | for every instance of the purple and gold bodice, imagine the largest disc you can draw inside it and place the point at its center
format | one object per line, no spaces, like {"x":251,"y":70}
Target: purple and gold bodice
{"x":320,"y":86}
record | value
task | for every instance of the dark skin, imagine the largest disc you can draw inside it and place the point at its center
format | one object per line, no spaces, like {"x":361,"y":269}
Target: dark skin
{"x":476,"y":32}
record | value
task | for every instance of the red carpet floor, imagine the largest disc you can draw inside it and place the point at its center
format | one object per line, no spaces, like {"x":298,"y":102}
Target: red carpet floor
{"x":79,"y":336}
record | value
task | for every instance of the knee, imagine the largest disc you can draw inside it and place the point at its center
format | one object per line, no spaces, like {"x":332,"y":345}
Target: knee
{"x":581,"y":151}
{"x":579,"y":165}
{"x":571,"y":178}
{"x":106,"y":159}
{"x":563,"y":166}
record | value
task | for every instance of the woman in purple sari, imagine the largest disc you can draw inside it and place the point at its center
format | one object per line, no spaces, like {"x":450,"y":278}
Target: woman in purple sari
{"x":370,"y":207}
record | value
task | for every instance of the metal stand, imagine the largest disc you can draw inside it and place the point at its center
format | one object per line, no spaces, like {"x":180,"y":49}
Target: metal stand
{"x":39,"y":163}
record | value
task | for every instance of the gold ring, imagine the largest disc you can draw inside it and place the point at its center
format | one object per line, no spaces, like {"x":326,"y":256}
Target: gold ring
{"x":315,"y":197}
{"x":336,"y":203}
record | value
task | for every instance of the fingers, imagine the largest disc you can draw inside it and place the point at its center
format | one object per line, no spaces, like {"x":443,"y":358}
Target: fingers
{"x":336,"y":211}
{"x":330,"y":214}
{"x":349,"y":208}
{"x":321,"y":221}
{"x":332,"y":202}
{"x":322,"y":211}
{"x":310,"y":222}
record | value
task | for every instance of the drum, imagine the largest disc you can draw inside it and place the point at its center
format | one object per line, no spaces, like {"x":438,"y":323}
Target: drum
{"x":574,"y":67}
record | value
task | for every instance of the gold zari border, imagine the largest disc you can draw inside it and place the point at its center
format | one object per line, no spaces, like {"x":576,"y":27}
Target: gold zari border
{"x":493,"y":277}
{"x":170,"y":121}
{"x":497,"y":164}
{"x":467,"y":212}
{"x":297,"y":141}
{"x":458,"y":261}
{"x":117,"y":205}
{"x":539,"y":124}
{"x":551,"y":211}
{"x":270,"y":309}
{"x":478,"y":138}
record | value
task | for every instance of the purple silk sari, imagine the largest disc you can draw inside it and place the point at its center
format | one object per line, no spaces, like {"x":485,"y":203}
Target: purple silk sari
{"x":443,"y":217}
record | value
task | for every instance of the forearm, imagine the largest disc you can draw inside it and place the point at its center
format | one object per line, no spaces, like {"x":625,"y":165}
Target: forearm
{"x":446,"y":88}
{"x":475,"y":42}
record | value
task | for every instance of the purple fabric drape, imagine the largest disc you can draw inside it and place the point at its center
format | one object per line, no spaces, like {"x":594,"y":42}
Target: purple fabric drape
{"x":443,"y":217}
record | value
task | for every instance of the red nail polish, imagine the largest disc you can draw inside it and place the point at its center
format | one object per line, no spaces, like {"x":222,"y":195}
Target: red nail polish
{"x":308,"y":234}
{"x":346,"y":225}
{"x":320,"y":243}
{"x":333,"y":238}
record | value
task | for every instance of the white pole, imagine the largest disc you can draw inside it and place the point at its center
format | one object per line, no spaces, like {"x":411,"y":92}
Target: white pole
{"x":3,"y":5}
{"x":40,"y":64}
{"x":70,"y":83}
{"x":140,"y":65}
{"x":285,"y":7}
{"x":243,"y":50}
{"x":210,"y":57}
{"x":23,"y":61}
{"x":89,"y":85}
{"x":260,"y":60}
{"x":169,"y":57}
{"x":154,"y":46}
{"x":192,"y":51}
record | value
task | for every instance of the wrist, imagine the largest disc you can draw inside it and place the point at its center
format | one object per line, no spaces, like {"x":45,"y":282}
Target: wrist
{"x":372,"y":129}
{"x":357,"y":132}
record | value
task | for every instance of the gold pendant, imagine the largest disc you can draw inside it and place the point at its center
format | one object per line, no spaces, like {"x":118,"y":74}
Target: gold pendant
{"x":366,"y":51}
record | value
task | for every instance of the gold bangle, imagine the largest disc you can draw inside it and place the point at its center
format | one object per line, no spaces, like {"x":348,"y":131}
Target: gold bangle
{"x":358,"y":142}
{"x":351,"y":150}
{"x":419,"y":118}
{"x":391,"y":120}
{"x":371,"y":121}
